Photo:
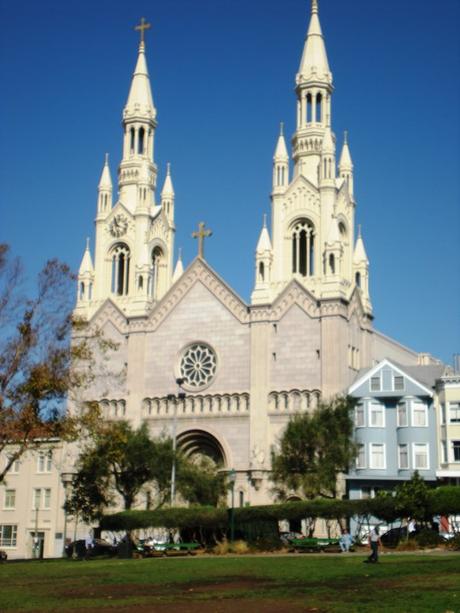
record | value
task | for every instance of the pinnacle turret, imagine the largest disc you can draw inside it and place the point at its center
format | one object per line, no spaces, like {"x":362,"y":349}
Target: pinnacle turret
{"x":281,"y":152}
{"x":314,"y":65}
{"x":264,"y":243}
{"x":359,"y":254}
{"x":86,"y":265}
{"x":140,"y":99}
{"x":179,"y":270}
{"x":168,"y":189}
{"x":105,"y":182}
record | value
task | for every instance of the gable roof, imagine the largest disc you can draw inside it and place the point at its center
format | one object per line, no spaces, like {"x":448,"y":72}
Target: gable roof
{"x":414,"y":377}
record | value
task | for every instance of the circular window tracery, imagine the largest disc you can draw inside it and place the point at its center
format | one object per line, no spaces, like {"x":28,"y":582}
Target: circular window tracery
{"x":198,"y":365}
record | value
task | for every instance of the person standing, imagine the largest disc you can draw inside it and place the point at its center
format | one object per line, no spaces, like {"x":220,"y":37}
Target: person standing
{"x":374,"y":542}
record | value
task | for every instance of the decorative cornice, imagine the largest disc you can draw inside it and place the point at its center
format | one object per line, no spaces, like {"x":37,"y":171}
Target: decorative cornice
{"x":109,"y":312}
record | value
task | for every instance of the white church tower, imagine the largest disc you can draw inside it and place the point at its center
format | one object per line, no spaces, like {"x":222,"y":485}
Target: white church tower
{"x":313,"y":215}
{"x":135,"y":236}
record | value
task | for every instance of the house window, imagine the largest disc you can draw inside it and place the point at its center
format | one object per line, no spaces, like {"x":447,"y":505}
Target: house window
{"x":403,"y":456}
{"x":361,"y":457}
{"x":45,"y":461}
{"x":456,"y":451}
{"x":8,"y":535}
{"x":454,"y":412}
{"x":10,"y":499}
{"x":376,"y":385}
{"x":398,"y":383}
{"x":14,"y":468}
{"x":359,"y":416}
{"x":377,"y":455}
{"x":419,"y":414}
{"x":376,"y":415}
{"x":401,"y":415}
{"x":47,"y":498}
{"x":36,"y":498}
{"x":420,"y":451}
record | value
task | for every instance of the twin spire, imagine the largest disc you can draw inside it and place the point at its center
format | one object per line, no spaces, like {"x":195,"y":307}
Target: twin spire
{"x":314,"y":65}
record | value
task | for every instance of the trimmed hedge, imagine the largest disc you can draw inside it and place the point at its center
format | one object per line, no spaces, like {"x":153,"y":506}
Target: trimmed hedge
{"x":444,"y":500}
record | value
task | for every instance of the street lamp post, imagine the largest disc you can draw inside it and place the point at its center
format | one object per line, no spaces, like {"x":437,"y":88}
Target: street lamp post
{"x":232,"y":479}
{"x":180,"y":396}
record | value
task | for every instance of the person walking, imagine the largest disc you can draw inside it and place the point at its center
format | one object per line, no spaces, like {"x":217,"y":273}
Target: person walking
{"x":374,"y":542}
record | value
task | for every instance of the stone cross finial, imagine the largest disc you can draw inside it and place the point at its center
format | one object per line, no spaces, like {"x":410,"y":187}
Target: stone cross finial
{"x":142,"y":27}
{"x":201,"y":235}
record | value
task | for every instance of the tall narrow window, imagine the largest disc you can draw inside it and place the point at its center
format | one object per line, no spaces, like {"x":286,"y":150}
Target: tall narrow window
{"x":120,"y":269}
{"x":157,"y":258}
{"x":319,"y":108}
{"x":361,"y":457}
{"x":359,"y":416}
{"x":358,"y":279}
{"x":401,"y":415}
{"x":140,"y":142}
{"x":332,"y":263}
{"x":309,"y":108}
{"x":261,"y":272}
{"x":303,"y":248}
{"x":131,"y":140}
{"x":403,"y":456}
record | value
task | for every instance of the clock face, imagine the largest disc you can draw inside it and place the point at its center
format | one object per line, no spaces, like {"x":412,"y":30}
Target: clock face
{"x":119,"y":225}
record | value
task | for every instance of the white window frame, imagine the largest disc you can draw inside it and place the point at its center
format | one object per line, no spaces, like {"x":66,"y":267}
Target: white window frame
{"x":406,"y":411}
{"x":371,"y":463}
{"x":415,"y":403}
{"x":360,"y":408}
{"x":451,"y":448}
{"x":361,"y":448}
{"x":45,"y":461}
{"x":36,"y":498}
{"x":382,"y":408}
{"x":9,"y":492}
{"x":46,"y":499}
{"x":379,"y":377}
{"x":456,"y":421}
{"x":14,"y":468}
{"x":414,"y":448}
{"x":395,"y":376}
{"x":406,"y":445}
{"x":14,"y":536}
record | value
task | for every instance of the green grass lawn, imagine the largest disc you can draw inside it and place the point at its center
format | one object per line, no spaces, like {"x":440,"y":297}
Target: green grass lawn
{"x":249,"y":584}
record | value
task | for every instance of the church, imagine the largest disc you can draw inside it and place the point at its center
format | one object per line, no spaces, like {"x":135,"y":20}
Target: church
{"x":243,"y":369}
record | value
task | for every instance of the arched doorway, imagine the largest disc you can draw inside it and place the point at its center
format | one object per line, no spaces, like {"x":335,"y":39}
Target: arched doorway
{"x":199,"y":444}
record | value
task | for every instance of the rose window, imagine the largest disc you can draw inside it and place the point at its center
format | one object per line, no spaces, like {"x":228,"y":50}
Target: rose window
{"x":198,"y":365}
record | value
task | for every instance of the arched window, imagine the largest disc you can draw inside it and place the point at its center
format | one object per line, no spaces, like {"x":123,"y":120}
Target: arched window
{"x":342,"y":230}
{"x":140,"y":283}
{"x":332,"y":263}
{"x":140,"y":142}
{"x":261,"y":271}
{"x":303,"y":248}
{"x":120,"y":269}
{"x":309,"y":108}
{"x":358,"y":279}
{"x":82,"y":290}
{"x":319,"y":106}
{"x":131,"y":140}
{"x":157,"y":258}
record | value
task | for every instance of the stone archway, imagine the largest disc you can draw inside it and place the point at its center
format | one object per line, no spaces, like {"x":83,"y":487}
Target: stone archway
{"x":199,"y":443}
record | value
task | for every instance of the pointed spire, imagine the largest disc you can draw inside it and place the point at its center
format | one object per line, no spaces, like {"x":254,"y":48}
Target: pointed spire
{"x":345,"y":162}
{"x":178,"y":271}
{"x":168,"y":189}
{"x":140,"y":101}
{"x":328,"y":145}
{"x":359,"y":254}
{"x":281,"y":152}
{"x":86,"y":265}
{"x":314,"y":65}
{"x":105,"y":181}
{"x":264,"y":243}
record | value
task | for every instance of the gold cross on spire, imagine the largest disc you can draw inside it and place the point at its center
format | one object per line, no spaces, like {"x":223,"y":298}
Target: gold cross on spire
{"x":201,"y":235}
{"x":142,"y":27}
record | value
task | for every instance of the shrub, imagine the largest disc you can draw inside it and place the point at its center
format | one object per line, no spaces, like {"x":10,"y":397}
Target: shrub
{"x":454,"y":543}
{"x":224,"y":546}
{"x":407,"y":545}
{"x":428,"y":538}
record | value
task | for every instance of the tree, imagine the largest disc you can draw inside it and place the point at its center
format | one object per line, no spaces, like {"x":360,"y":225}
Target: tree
{"x":413,"y":499}
{"x":39,"y":363}
{"x":314,"y":449}
{"x":125,"y":461}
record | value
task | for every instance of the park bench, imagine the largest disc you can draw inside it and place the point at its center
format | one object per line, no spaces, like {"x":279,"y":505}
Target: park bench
{"x":313,"y":544}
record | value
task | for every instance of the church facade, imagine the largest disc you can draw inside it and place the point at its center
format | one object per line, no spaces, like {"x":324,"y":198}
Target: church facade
{"x":245,"y":368}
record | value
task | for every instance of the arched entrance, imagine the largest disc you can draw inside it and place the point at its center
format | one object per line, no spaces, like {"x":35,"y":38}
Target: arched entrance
{"x":198,"y":444}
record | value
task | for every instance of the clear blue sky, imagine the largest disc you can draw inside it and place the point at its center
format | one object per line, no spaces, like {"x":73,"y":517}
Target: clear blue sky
{"x":222,"y":73}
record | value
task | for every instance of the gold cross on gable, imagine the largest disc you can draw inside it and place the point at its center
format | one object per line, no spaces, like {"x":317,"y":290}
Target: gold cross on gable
{"x":142,"y":27}
{"x":201,"y":235}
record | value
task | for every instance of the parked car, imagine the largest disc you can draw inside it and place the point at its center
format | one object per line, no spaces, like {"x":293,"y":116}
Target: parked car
{"x":100,"y":548}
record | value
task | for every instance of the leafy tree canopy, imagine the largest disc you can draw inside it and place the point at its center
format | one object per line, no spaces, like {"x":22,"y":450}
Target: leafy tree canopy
{"x":314,"y":449}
